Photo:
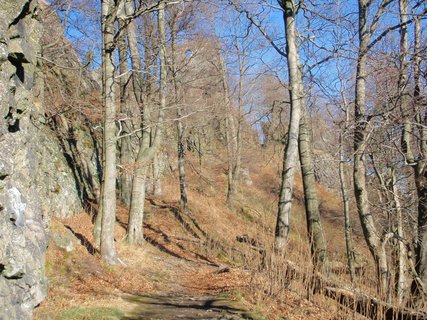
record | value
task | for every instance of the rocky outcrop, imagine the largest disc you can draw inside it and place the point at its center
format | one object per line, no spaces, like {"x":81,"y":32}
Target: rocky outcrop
{"x":22,"y":226}
{"x":36,"y":180}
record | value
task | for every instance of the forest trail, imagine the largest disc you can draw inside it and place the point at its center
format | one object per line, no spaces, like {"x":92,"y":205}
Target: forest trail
{"x":172,"y":276}
{"x":179,"y":296}
{"x":186,"y":307}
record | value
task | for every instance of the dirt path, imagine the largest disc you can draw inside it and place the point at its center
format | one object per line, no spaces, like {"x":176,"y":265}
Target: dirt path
{"x":177,"y":296}
{"x":186,"y":307}
{"x":169,"y":277}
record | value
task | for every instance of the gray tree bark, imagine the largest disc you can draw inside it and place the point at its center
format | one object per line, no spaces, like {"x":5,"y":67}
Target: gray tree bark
{"x":419,"y":287}
{"x":108,"y":251}
{"x":126,"y":125}
{"x":314,"y":227}
{"x":134,"y":230}
{"x":180,"y":127}
{"x":230,"y":135}
{"x":402,"y":275}
{"x":402,"y":263}
{"x":344,"y":186}
{"x":157,"y":175}
{"x":149,"y":142}
{"x":290,"y":157}
{"x":373,"y":239}
{"x":346,"y":206}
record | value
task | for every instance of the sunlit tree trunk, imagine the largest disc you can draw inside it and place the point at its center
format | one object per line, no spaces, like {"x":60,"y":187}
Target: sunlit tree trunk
{"x":290,"y":157}
{"x":314,"y":227}
{"x":232,"y":147}
{"x":372,"y":236}
{"x":126,"y":125}
{"x":108,"y":251}
{"x":230,"y":135}
{"x":181,"y":146}
{"x":136,"y":211}
{"x":346,"y":207}
{"x":150,"y":140}
{"x":157,"y":174}
{"x":402,"y":282}
{"x":420,"y":286}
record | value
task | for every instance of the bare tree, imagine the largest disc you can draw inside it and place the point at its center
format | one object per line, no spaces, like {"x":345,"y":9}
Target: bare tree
{"x":108,"y":197}
{"x":414,"y":129}
{"x":375,"y":240}
{"x":149,"y":141}
{"x":126,"y":126}
{"x":290,"y":157}
{"x":180,"y":125}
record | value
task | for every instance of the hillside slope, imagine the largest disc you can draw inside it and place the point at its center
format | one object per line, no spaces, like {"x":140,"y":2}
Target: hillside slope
{"x":192,"y":263}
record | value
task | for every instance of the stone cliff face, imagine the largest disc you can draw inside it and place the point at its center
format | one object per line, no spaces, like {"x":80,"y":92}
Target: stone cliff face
{"x":23,"y":234}
{"x":36,"y":180}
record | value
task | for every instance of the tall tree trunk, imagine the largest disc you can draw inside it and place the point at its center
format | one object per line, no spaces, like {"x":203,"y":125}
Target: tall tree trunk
{"x":420,"y":282}
{"x":344,"y":186}
{"x":419,"y":286}
{"x":125,"y":144}
{"x":314,"y":227}
{"x":290,"y":157}
{"x":136,"y":210}
{"x":402,"y":283}
{"x":371,"y":234}
{"x":146,"y":151}
{"x":346,"y":205}
{"x":232,"y":147}
{"x":234,"y":122}
{"x":180,"y":127}
{"x":108,"y":251}
{"x":402,"y":272}
{"x":230,"y":135}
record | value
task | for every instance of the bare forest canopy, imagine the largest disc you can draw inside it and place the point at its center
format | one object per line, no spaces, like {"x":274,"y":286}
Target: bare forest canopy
{"x":334,"y":89}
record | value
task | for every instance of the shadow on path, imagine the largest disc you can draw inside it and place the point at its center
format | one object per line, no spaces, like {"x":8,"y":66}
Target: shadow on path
{"x":184,"y":307}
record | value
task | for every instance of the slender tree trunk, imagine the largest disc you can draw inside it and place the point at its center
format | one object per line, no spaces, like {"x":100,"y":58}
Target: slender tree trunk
{"x":344,"y":187}
{"x":135,"y":233}
{"x":290,"y":157}
{"x":179,"y":125}
{"x":402,"y":275}
{"x":402,"y":283}
{"x":136,"y":210}
{"x":402,"y":83}
{"x":232,"y":148}
{"x":346,"y":205}
{"x":146,"y":151}
{"x":314,"y":227}
{"x":234,"y":122}
{"x":419,"y":286}
{"x":151,"y":75}
{"x":157,"y":174}
{"x":125,"y":147}
{"x":371,"y":234}
{"x":421,"y":249}
{"x":230,"y":136}
{"x":163,"y":74}
{"x":108,"y":251}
